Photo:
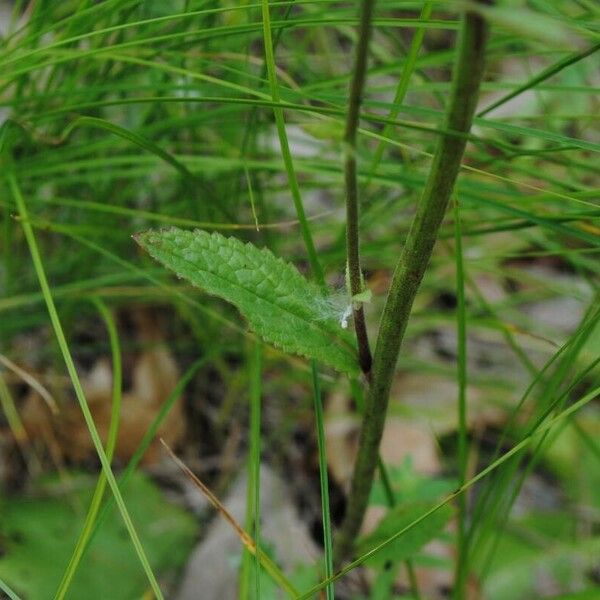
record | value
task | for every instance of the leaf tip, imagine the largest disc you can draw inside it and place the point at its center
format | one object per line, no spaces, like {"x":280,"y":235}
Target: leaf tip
{"x":152,"y":236}
{"x":140,"y":238}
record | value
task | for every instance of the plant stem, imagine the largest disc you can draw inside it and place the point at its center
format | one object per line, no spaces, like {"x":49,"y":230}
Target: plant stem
{"x":468,"y":72}
{"x":388,"y":491}
{"x":352,"y":243}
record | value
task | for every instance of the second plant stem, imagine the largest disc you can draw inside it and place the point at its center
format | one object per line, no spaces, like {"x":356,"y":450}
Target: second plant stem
{"x":350,"y":176}
{"x":414,"y":258}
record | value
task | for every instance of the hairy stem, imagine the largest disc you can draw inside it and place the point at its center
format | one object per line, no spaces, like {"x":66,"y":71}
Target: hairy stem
{"x":468,"y":72}
{"x":352,"y":244}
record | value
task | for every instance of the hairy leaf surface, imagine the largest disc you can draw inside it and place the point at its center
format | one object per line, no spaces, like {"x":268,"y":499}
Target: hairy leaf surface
{"x":281,"y":306}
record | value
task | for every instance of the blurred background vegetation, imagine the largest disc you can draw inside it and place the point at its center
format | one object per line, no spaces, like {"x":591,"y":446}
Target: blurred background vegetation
{"x":122,"y":115}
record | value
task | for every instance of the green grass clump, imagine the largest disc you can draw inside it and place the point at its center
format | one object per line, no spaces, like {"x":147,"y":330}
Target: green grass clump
{"x":253,"y":120}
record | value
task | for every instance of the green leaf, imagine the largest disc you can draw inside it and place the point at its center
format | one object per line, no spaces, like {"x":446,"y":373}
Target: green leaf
{"x":281,"y":306}
{"x":38,"y":535}
{"x":410,"y":487}
{"x":363,"y":297}
{"x":410,"y":542}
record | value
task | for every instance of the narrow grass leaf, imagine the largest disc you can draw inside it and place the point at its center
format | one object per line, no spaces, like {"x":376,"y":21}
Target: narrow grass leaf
{"x":285,"y":147}
{"x":253,"y":487}
{"x":111,"y":442}
{"x":461,"y":376}
{"x":8,"y":591}
{"x":130,"y":136}
{"x":592,"y":395}
{"x":542,"y":76}
{"x":324,"y":480}
{"x":70,"y":364}
{"x":149,"y":436}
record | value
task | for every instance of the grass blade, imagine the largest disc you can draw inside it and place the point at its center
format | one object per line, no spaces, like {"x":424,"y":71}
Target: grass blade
{"x":68,"y":359}
{"x":592,"y":395}
{"x":132,"y":137}
{"x":150,"y":435}
{"x":545,"y":74}
{"x":315,"y":265}
{"x":111,"y":442}
{"x":461,"y":371}
{"x":254,"y":457}
{"x":8,"y":591}
{"x":407,"y":71}
{"x":324,"y":481}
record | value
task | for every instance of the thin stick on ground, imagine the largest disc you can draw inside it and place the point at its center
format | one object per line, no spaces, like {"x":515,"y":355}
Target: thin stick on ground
{"x":269,"y":566}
